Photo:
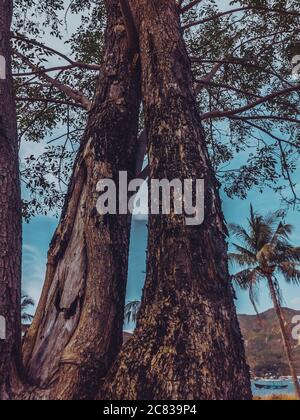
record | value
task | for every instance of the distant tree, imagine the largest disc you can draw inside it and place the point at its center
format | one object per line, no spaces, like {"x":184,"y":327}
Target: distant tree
{"x":266,"y":251}
{"x":132,"y":311}
{"x":26,"y":302}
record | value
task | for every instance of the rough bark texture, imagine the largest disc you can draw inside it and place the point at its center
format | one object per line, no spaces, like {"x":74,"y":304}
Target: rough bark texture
{"x":285,"y":338}
{"x":187,"y":344}
{"x":77,"y":331}
{"x":10,"y":216}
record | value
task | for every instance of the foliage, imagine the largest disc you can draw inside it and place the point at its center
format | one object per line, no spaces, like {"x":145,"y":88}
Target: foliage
{"x":43,"y":110}
{"x":132,"y":311}
{"x":238,"y":59}
{"x":242,"y":57}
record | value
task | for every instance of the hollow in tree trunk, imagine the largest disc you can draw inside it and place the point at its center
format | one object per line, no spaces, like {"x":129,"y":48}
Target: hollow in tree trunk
{"x":77,"y":331}
{"x":285,"y":338}
{"x":187,"y":344}
{"x":10,"y":217}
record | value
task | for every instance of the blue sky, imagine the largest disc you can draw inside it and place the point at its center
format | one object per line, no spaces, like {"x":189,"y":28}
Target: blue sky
{"x":38,"y":233}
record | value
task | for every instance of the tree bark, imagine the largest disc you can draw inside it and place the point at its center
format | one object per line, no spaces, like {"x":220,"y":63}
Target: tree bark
{"x":10,"y":216}
{"x":285,"y":338}
{"x":187,"y":344}
{"x":77,"y":331}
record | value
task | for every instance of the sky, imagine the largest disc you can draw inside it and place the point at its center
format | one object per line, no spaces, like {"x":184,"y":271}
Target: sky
{"x":37,"y":235}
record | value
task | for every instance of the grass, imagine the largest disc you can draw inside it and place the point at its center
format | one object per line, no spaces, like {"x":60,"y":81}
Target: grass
{"x":276,"y":398}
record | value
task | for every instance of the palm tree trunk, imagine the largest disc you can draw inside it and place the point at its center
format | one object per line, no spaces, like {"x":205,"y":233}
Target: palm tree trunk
{"x":285,"y":338}
{"x":77,"y":331}
{"x":10,"y":215}
{"x":187,"y":344}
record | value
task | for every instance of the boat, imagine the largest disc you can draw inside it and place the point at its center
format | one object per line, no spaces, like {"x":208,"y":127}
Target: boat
{"x":270,"y":387}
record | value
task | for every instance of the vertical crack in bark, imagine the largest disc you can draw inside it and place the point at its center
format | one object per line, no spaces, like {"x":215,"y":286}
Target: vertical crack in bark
{"x":58,"y":246}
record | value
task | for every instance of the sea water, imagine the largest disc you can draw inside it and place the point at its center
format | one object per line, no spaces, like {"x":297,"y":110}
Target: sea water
{"x":290,"y":390}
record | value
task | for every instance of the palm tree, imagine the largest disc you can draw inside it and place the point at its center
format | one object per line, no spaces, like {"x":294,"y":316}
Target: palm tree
{"x":264,"y":252}
{"x":26,"y":302}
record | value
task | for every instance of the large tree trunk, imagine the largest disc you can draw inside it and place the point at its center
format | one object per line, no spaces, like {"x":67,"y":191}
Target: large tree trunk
{"x":10,"y":215}
{"x":77,"y":331}
{"x":285,"y":338}
{"x":187,"y":344}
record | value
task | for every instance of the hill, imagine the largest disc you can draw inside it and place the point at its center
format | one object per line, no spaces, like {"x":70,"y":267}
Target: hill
{"x":264,"y":349}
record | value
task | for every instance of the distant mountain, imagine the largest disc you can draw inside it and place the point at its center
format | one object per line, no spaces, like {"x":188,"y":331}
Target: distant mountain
{"x":126,"y":336}
{"x":264,"y":349}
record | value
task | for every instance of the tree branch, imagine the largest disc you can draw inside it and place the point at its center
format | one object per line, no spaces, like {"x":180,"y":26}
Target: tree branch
{"x":229,"y":113}
{"x":279,"y":140}
{"x":239,"y":61}
{"x":225,"y":86}
{"x":74,"y":94}
{"x":46,"y":100}
{"x":65,"y":57}
{"x":240,"y":9}
{"x":285,"y":168}
{"x":206,"y":79}
{"x":265,"y":117}
{"x":42,"y":70}
{"x":189,"y":6}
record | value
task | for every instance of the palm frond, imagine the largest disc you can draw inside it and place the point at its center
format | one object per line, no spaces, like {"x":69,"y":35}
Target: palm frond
{"x":286,"y":253}
{"x":260,"y":230}
{"x":240,"y":259}
{"x":270,"y":219}
{"x":242,"y":234}
{"x":132,"y":310}
{"x":245,"y":253}
{"x":248,"y":280}
{"x":290,"y":271}
{"x":26,"y":317}
{"x":264,"y":234}
{"x":26,"y":301}
{"x":282,"y":233}
{"x":253,"y":216}
{"x":245,"y":278}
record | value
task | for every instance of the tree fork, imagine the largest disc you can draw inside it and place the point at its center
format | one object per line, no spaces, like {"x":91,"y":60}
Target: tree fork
{"x":187,"y":344}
